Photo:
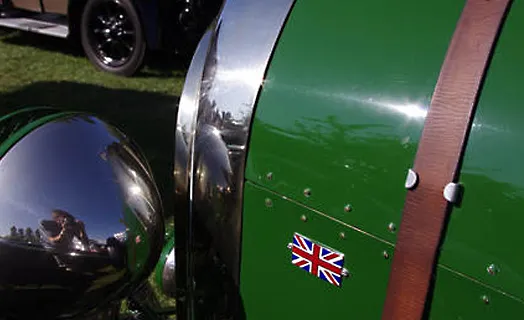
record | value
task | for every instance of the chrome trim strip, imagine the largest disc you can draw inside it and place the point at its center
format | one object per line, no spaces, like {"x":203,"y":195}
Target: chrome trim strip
{"x":168,"y":275}
{"x":184,"y":135}
{"x":213,"y":125}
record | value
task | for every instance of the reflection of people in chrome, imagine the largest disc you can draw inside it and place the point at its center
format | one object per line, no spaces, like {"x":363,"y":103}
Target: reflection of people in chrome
{"x":64,"y":228}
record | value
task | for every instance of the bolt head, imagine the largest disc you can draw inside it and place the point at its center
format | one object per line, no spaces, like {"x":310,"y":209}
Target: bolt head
{"x":342,"y":235}
{"x":290,"y":245}
{"x":485,"y":299}
{"x":492,"y":269}
{"x":347,"y":208}
{"x":392,"y":227}
{"x":385,"y":254}
{"x":307,"y":192}
{"x":303,"y":218}
{"x":269,"y":203}
{"x":345,"y":272}
{"x":269,"y":176}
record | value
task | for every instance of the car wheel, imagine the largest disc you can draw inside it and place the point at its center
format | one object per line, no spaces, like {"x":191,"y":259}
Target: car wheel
{"x":112,"y":36}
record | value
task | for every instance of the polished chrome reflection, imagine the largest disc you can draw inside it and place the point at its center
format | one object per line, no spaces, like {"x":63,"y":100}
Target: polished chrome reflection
{"x":80,"y":219}
{"x":168,"y":275}
{"x":219,"y":97}
{"x":214,"y":117}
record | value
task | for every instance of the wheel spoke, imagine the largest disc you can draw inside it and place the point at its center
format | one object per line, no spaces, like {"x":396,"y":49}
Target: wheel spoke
{"x":102,"y":19}
{"x":112,"y":33}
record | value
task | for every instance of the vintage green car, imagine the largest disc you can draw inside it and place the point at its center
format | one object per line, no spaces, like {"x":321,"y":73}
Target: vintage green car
{"x":352,"y":160}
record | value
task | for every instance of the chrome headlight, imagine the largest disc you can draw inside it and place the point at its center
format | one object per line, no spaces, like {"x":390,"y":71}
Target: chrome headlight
{"x":78,"y":227}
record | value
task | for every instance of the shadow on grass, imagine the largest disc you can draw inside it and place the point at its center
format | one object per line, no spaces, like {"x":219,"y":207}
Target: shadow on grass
{"x":148,"y":118}
{"x":161,"y":63}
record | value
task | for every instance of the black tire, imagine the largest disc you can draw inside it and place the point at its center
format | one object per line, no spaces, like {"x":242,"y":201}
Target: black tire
{"x":110,"y":24}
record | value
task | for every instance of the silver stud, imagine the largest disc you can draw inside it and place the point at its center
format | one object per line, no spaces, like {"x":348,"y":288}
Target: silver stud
{"x":392,"y":227}
{"x":452,"y":192}
{"x":385,"y":254}
{"x":342,"y":235}
{"x":269,"y":176}
{"x":345,"y":272}
{"x":485,"y":299}
{"x":269,"y":203}
{"x":411,"y":179}
{"x":492,"y":269}
{"x":347,"y":208}
{"x":307,"y":192}
{"x":303,"y":218}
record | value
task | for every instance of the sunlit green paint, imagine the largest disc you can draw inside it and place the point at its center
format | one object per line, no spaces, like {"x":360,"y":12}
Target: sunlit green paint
{"x":459,"y":298}
{"x":273,"y":288}
{"x":488,"y":227}
{"x":344,"y":101}
{"x":340,"y":114}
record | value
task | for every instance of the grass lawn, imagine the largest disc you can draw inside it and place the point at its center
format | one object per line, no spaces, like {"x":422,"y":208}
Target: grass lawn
{"x":38,"y":70}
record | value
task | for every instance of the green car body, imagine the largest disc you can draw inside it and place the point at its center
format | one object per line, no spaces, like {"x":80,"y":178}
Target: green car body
{"x":320,"y":119}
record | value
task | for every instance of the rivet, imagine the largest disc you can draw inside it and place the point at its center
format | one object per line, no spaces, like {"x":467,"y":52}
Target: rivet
{"x":289,"y":245}
{"x":269,"y":203}
{"x":303,"y":218}
{"x":392,"y":227}
{"x":345,"y":272}
{"x":269,"y":175}
{"x":307,"y":192}
{"x":485,"y":299}
{"x":492,"y":269}
{"x":347,"y":208}
{"x":452,"y":192}
{"x":411,"y":179}
{"x":385,"y":254}
{"x":342,"y":235}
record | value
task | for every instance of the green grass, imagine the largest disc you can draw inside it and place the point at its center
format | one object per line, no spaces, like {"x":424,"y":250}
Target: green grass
{"x":38,"y":70}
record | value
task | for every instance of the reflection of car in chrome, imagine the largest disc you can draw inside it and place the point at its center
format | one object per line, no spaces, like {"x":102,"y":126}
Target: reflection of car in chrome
{"x":35,"y":275}
{"x":115,"y":34}
{"x":111,"y":244}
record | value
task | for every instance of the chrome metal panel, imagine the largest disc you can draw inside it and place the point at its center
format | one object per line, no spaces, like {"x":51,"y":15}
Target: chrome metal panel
{"x":184,"y":135}
{"x":168,"y":275}
{"x":214,"y":120}
{"x":37,"y":26}
{"x":80,"y":217}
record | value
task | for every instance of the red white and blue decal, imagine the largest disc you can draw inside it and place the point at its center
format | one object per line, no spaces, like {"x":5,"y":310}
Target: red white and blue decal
{"x":322,"y":262}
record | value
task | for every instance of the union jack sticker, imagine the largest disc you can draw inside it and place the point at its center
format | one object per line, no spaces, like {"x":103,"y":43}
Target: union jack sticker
{"x":322,"y":262}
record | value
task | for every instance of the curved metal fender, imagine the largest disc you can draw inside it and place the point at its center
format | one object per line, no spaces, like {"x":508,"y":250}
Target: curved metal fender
{"x":212,"y":132}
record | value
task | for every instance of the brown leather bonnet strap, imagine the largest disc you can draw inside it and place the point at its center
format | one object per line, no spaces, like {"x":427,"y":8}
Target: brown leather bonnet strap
{"x":438,"y":158}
